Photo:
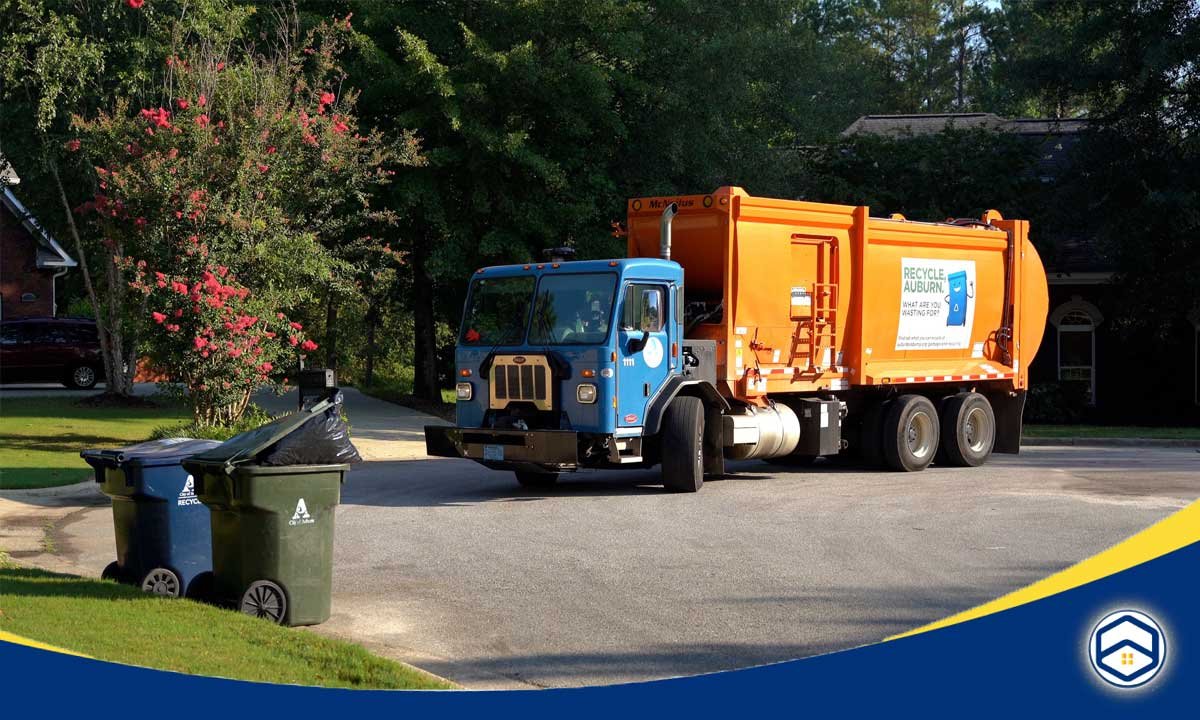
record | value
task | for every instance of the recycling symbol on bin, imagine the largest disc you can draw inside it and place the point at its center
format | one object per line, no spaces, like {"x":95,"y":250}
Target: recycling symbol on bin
{"x":1127,"y":648}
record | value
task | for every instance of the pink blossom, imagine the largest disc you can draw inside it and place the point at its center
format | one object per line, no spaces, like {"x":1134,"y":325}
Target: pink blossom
{"x":308,"y":345}
{"x":73,"y":145}
{"x":182,"y":103}
{"x":202,"y":120}
{"x":296,"y":326}
{"x":266,"y":367}
{"x":202,"y":101}
{"x":135,"y":4}
{"x":199,"y":342}
{"x":327,"y":98}
{"x":158,"y":317}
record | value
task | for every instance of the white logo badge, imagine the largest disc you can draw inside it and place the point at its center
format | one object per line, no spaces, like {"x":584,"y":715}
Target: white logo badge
{"x":187,"y":496}
{"x":1127,"y":648}
{"x":653,"y":352}
{"x":301,"y":516}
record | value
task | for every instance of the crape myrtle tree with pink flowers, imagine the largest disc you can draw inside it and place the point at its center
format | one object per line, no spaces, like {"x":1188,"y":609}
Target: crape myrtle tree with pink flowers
{"x":234,"y":192}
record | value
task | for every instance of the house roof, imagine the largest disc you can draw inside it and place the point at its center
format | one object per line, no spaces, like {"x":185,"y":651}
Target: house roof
{"x":1054,"y":137}
{"x":933,"y":123}
{"x":50,"y":254}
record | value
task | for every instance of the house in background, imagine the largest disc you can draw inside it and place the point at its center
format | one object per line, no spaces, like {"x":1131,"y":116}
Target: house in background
{"x":1083,"y":357}
{"x":31,"y":260}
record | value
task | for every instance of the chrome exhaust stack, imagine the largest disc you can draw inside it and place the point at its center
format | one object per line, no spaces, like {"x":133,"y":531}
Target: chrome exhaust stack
{"x":664,"y":231}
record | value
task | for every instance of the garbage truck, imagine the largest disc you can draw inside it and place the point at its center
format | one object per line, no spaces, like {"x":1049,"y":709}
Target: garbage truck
{"x":741,"y":327}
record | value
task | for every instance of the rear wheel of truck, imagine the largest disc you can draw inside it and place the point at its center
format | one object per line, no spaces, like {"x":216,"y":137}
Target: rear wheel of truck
{"x":683,"y":445}
{"x":968,"y":430}
{"x":910,"y":433}
{"x":536,"y":479}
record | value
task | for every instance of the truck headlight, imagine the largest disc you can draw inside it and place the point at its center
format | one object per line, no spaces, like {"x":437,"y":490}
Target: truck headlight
{"x":463,"y":391}
{"x":585,"y":393}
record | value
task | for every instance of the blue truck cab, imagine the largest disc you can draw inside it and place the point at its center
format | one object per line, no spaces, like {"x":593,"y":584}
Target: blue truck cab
{"x":563,"y":365}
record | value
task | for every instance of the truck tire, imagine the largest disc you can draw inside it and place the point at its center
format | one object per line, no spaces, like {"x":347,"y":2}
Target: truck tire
{"x":968,"y":430}
{"x":910,"y":433}
{"x":683,"y":445}
{"x":536,"y":479}
{"x":870,"y":439}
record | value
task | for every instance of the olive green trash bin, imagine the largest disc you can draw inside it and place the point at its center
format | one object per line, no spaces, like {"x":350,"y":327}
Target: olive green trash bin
{"x":272,"y":526}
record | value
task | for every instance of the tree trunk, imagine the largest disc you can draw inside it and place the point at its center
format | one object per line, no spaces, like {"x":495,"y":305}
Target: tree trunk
{"x":331,"y":331}
{"x":372,"y":322}
{"x":425,"y":385}
{"x":117,"y":382}
{"x":207,"y":415}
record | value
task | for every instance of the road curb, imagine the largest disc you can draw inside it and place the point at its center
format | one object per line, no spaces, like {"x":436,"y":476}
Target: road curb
{"x":1111,"y":442}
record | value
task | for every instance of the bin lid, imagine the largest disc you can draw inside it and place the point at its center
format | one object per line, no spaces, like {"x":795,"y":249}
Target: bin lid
{"x":244,"y":447}
{"x":168,"y":451}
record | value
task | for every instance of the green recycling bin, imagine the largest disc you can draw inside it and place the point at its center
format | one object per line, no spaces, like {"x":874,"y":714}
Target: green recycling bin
{"x":272,"y":526}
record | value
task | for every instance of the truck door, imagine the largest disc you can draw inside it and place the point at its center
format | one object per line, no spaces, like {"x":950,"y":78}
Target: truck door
{"x":644,"y":342}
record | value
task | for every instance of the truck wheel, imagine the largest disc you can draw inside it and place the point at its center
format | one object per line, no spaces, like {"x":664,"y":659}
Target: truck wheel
{"x":910,"y":433}
{"x":536,"y":479}
{"x":683,"y":445}
{"x":164,"y":582}
{"x":968,"y":430}
{"x":870,"y":439}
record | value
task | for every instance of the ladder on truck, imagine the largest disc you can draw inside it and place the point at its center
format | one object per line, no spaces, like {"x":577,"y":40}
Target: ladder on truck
{"x":818,"y":331}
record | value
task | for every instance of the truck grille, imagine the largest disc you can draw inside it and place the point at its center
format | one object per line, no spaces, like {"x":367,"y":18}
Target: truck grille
{"x":525,"y":381}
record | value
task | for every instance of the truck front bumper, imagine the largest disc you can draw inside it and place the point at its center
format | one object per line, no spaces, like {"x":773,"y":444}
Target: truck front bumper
{"x":506,"y":449}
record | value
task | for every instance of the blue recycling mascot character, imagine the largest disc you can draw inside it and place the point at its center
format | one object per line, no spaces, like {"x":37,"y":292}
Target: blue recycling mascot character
{"x":958,"y":297}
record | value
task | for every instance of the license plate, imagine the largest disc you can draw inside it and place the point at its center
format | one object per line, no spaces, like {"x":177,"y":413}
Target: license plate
{"x":493,"y":452}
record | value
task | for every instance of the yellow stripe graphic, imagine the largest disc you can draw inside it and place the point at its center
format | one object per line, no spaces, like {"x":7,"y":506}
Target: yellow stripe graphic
{"x":18,"y":640}
{"x":1168,"y":535}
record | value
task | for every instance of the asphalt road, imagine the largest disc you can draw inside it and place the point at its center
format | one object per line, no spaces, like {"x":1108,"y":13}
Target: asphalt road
{"x":609,"y":579}
{"x":606,"y":578}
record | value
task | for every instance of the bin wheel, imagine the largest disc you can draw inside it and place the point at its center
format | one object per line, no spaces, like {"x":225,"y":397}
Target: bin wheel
{"x":112,"y":571}
{"x":201,"y":587}
{"x":164,"y":582}
{"x":264,"y":599}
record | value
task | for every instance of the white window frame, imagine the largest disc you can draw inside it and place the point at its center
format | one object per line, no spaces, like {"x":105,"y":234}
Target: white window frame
{"x":1063,"y":312}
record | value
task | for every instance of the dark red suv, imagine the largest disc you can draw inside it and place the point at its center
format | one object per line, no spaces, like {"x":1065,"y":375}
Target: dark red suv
{"x":64,"y":350}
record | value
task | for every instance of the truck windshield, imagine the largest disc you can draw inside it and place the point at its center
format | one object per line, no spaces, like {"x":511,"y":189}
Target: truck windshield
{"x":573,"y":309}
{"x":497,"y":311}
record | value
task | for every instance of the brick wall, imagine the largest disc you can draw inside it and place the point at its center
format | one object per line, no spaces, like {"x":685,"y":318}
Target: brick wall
{"x":19,"y":274}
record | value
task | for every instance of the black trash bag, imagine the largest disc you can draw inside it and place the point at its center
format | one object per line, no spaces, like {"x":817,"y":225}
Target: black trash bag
{"x":323,"y":440}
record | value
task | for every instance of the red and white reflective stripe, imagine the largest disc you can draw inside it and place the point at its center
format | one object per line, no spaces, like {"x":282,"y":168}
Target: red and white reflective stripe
{"x":765,"y":371}
{"x":959,"y":378}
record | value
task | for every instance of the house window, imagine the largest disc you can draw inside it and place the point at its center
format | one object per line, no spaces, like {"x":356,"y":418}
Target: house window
{"x":1076,"y":323}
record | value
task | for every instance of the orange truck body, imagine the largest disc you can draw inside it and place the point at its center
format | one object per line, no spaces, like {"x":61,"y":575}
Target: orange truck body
{"x":824,"y":298}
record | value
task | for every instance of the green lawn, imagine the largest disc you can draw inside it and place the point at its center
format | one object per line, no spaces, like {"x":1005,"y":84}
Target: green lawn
{"x":1112,"y":431}
{"x":118,"y":623}
{"x":40,"y":438}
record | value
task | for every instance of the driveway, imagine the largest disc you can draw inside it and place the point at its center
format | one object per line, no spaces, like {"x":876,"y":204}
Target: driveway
{"x":606,"y":578}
